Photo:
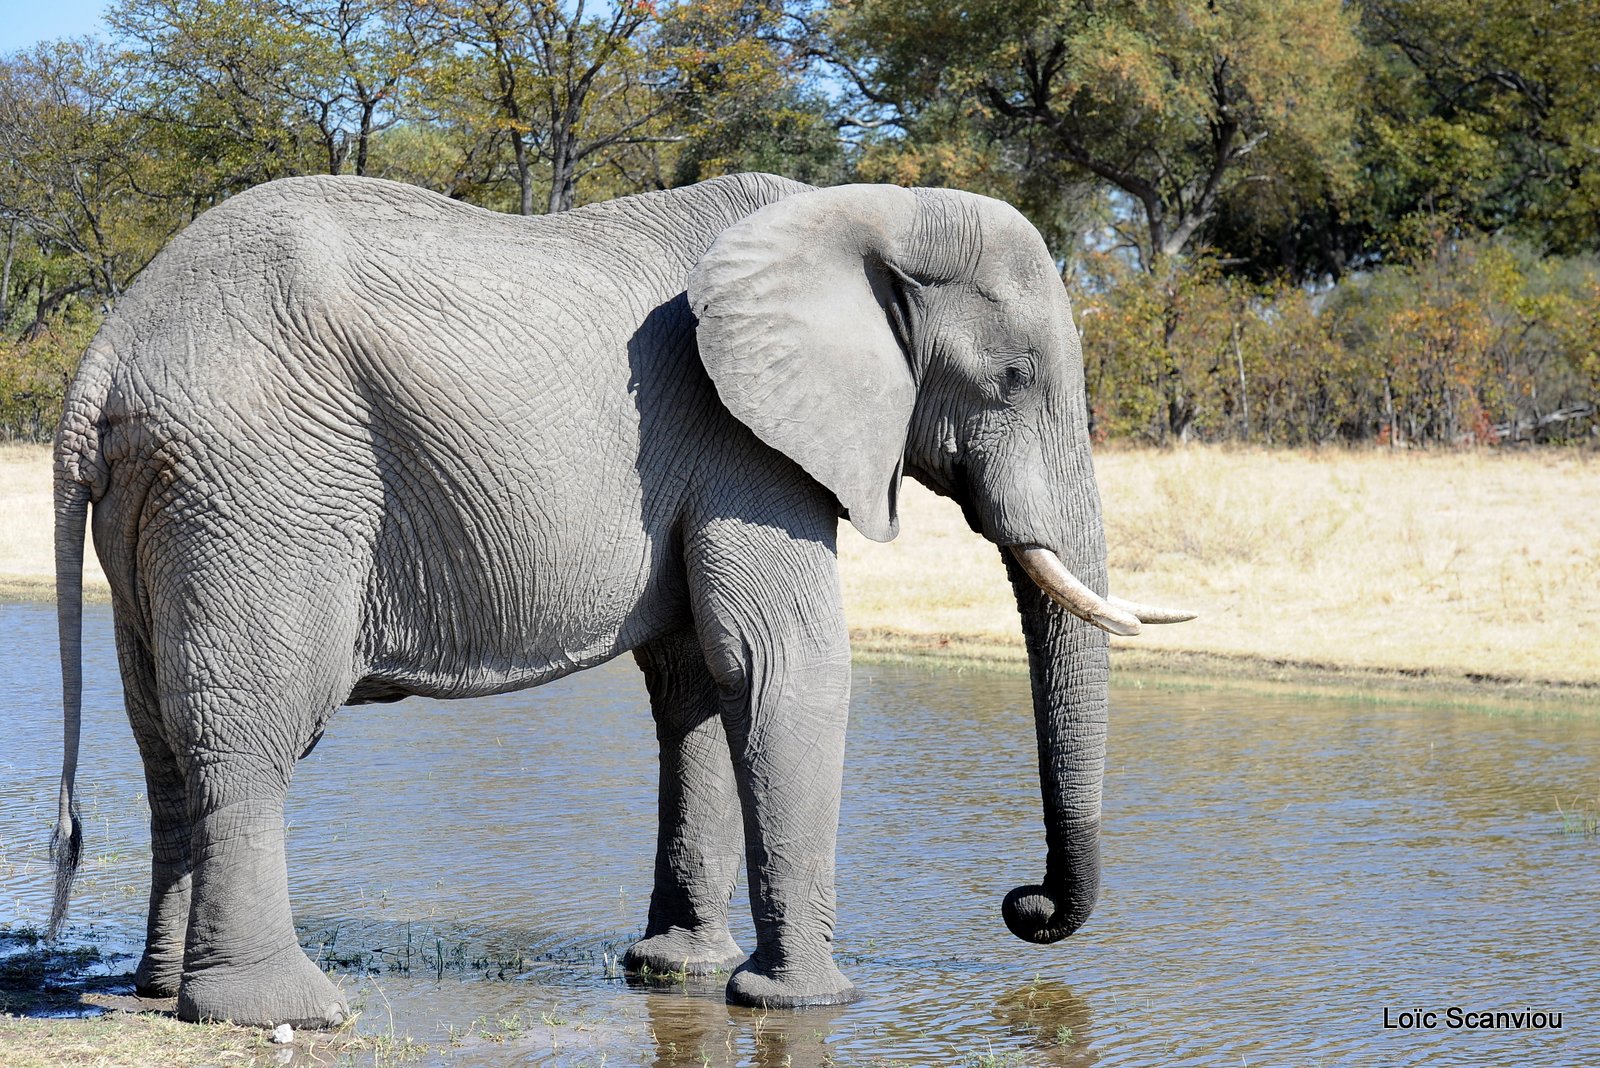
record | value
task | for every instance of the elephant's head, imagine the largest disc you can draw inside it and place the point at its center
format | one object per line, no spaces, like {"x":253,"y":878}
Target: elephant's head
{"x":868,"y":330}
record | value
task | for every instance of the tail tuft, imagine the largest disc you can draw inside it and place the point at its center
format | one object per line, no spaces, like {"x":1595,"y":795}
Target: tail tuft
{"x":66,"y":850}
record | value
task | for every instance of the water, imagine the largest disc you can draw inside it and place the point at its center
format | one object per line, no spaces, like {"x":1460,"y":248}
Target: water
{"x":1277,"y":874}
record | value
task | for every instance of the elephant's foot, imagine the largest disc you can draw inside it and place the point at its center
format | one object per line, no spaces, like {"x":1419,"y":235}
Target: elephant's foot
{"x":158,"y":974}
{"x":680,"y":950}
{"x":286,"y":989}
{"x":790,"y":987}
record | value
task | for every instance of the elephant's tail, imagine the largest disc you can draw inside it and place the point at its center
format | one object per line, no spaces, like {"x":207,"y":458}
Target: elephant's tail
{"x":66,"y":847}
{"x":80,"y":470}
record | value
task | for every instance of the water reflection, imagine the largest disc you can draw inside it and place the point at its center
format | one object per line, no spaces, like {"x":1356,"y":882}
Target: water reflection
{"x":1277,"y":873}
{"x":699,"y":1028}
{"x":1058,"y":1020}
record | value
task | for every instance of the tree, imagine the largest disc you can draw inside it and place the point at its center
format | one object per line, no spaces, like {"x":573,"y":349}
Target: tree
{"x":565,"y":105}
{"x":739,"y":75}
{"x":373,"y":50}
{"x":71,"y":157}
{"x":569,"y":87}
{"x":256,"y":89}
{"x":1492,"y":111}
{"x":13,"y":222}
{"x":1160,"y":349}
{"x":1173,"y":104}
{"x":75,"y":154}
{"x":223,"y":80}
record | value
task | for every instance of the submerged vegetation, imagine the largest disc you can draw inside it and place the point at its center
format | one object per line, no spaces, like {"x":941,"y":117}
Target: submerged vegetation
{"x":1580,"y":819}
{"x":74,"y":1006}
{"x":32,"y":970}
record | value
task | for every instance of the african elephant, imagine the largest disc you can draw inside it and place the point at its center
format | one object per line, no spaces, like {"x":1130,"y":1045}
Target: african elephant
{"x":348,"y":440}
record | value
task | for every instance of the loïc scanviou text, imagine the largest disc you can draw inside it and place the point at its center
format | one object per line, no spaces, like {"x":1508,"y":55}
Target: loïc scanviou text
{"x":1456,"y":1018}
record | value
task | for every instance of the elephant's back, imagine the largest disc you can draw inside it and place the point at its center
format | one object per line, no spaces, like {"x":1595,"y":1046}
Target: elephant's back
{"x":342,"y":315}
{"x":325,"y":295}
{"x":495,"y":412}
{"x":376,"y":282}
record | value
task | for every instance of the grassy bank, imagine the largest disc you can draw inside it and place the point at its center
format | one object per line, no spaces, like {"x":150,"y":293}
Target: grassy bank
{"x":1462,"y":569}
{"x":27,"y":555}
{"x":1468,"y":570}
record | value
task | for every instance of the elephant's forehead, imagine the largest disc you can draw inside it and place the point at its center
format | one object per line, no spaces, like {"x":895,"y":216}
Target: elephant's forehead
{"x":1015,"y":266}
{"x":985,"y":323}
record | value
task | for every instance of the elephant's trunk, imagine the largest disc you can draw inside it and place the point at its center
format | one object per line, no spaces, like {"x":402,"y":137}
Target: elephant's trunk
{"x":1069,"y":665}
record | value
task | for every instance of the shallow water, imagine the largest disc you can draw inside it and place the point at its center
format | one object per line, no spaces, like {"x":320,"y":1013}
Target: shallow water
{"x":1278,"y":873}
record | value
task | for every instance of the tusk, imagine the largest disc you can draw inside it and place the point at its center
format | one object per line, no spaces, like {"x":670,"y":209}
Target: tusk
{"x":1064,"y":588}
{"x":1145,"y":613}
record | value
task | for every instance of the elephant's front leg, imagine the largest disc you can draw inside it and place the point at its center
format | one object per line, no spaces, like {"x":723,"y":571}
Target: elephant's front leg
{"x":767,"y":605}
{"x":700,"y":841}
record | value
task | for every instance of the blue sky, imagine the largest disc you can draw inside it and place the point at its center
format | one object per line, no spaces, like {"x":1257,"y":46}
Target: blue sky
{"x":22,"y":22}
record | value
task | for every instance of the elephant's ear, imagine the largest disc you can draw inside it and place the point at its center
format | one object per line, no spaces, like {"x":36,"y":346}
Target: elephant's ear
{"x":793,"y":305}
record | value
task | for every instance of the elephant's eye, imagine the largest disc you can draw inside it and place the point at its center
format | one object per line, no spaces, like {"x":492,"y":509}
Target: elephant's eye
{"x":1016,"y":375}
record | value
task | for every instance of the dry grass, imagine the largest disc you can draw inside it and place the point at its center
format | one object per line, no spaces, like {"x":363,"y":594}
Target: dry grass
{"x":1462,"y":565}
{"x":1474,"y":563}
{"x":160,"y":1040}
{"x":129,"y":1039}
{"x":27,"y":554}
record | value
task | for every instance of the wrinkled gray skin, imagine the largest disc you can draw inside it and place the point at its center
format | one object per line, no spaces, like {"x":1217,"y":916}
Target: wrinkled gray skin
{"x":346,"y":440}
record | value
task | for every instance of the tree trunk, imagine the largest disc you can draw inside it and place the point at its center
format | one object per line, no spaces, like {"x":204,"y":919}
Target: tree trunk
{"x":1388,"y":413}
{"x":5,"y":274}
{"x":364,"y":139}
{"x":1180,"y":407}
{"x":563,"y":171}
{"x":563,"y":190}
{"x":47,"y":304}
{"x":1244,"y":388}
{"x":519,"y":148}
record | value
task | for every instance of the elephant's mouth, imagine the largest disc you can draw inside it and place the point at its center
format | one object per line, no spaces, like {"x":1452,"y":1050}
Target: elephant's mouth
{"x":1111,"y":614}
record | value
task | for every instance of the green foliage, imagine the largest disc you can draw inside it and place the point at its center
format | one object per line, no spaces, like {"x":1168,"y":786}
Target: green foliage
{"x":250,"y":90}
{"x":1175,"y":104}
{"x":35,"y":370}
{"x":1285,"y":220}
{"x":1469,"y":342}
{"x":1490,"y":114}
{"x":73,"y":162}
{"x":570,"y":88}
{"x":740,"y":102}
{"x":1485,"y":114}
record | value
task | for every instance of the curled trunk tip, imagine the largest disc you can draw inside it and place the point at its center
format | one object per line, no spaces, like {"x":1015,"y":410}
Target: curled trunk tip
{"x":1034,"y":914}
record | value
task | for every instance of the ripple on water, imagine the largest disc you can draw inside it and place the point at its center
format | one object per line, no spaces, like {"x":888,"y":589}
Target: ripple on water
{"x":1276,"y":874}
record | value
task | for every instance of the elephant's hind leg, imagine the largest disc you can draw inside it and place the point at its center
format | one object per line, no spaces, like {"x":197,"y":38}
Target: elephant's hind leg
{"x":700,"y":841}
{"x":242,"y":960}
{"x":243,"y":691}
{"x":161,"y":966}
